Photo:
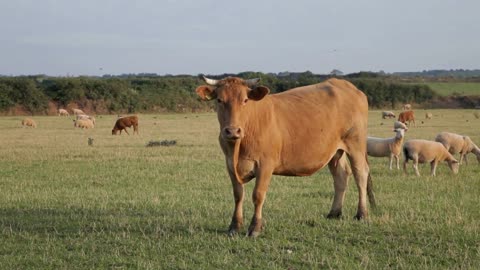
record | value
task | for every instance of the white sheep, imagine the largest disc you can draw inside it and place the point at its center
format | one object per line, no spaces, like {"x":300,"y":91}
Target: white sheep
{"x":389,"y":147}
{"x":398,"y":124}
{"x":422,"y":151}
{"x":388,"y":114}
{"x":77,"y":111}
{"x":84,"y":116}
{"x":63,"y":112}
{"x":428,"y":115}
{"x":28,"y":122}
{"x":455,"y":143}
{"x":83,"y":123}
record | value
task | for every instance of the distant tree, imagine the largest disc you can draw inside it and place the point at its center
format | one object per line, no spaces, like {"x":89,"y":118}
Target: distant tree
{"x":336,"y":72}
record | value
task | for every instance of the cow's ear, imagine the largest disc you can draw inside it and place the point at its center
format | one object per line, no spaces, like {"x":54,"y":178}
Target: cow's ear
{"x":258,"y":92}
{"x":206,"y":92}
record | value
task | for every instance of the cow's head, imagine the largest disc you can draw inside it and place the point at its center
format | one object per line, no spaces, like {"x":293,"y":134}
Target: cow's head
{"x":234,"y":98}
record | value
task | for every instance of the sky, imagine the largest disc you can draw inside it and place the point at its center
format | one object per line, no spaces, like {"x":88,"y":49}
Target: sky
{"x":97,"y":37}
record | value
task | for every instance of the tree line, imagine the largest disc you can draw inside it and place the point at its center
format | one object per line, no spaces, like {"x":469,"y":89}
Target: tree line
{"x":138,"y":93}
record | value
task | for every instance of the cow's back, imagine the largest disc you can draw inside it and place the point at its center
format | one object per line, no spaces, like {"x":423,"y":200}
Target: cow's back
{"x":309,"y":124}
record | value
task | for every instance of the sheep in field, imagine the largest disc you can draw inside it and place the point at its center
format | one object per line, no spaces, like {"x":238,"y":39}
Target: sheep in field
{"x":84,"y":116}
{"x":28,"y":122}
{"x":389,"y":147}
{"x":407,"y":107}
{"x":399,"y":124}
{"x":387,"y":114}
{"x":428,"y":115}
{"x":83,"y":123}
{"x":455,"y":143}
{"x":422,"y":151}
{"x":77,"y":111}
{"x":63,"y":112}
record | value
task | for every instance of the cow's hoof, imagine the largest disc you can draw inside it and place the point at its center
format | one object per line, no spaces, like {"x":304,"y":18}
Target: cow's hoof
{"x":360,"y":216}
{"x":256,"y":227}
{"x":253,"y":234}
{"x":234,"y":228}
{"x":334,"y":215}
{"x":232,"y":232}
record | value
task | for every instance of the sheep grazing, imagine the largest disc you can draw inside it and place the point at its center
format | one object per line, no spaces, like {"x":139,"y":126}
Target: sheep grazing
{"x":83,"y":123}
{"x":407,"y":107}
{"x":407,"y":116}
{"x":124,"y":122}
{"x":428,"y":115}
{"x":77,"y":111}
{"x":387,"y":114}
{"x":84,"y":116}
{"x":63,"y":112}
{"x":422,"y":151}
{"x":455,"y":143}
{"x":389,"y":147}
{"x":28,"y":122}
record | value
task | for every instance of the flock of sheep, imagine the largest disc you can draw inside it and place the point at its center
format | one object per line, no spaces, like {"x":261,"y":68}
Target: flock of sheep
{"x":443,"y":148}
{"x":84,"y":121}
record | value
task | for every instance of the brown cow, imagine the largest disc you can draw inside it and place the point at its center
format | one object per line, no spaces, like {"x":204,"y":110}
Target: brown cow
{"x":293,"y":133}
{"x":407,"y":116}
{"x":124,"y":122}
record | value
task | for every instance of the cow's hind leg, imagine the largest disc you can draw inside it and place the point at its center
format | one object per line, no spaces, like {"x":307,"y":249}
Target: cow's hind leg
{"x":361,"y":172}
{"x":340,"y":171}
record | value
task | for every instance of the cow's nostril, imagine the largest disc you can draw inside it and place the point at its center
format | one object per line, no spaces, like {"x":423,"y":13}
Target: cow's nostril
{"x":232,"y":132}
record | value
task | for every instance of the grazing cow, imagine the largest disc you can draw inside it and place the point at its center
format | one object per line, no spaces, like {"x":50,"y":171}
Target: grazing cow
{"x":28,"y":122}
{"x":77,"y":111}
{"x":124,"y":122}
{"x":293,"y":133}
{"x":407,"y":116}
{"x":63,"y":112}
{"x":407,"y":107}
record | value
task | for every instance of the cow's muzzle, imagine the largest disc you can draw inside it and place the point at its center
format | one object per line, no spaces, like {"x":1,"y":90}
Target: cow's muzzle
{"x":232,"y":133}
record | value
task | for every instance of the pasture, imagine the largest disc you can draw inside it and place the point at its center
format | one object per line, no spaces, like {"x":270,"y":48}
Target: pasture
{"x":121,"y":205}
{"x":455,"y":88}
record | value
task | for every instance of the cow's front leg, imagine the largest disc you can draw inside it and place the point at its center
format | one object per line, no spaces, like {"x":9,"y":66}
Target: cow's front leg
{"x":237,"y":218}
{"x":259,"y":193}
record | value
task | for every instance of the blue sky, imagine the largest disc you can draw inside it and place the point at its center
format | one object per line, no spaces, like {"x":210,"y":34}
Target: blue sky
{"x":212,"y":37}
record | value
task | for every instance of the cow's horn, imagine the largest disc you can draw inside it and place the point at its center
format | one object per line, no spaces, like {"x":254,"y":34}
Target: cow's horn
{"x":252,"y":82}
{"x":210,"y":81}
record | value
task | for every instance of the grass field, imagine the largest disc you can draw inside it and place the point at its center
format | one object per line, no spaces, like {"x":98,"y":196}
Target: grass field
{"x":121,"y":205}
{"x":464,"y":88}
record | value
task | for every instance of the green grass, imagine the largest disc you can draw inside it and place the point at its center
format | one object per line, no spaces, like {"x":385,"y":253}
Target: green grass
{"x":452,"y":88}
{"x":121,"y":205}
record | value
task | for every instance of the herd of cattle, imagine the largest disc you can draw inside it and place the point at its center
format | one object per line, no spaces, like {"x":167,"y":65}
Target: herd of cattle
{"x":85,"y":121}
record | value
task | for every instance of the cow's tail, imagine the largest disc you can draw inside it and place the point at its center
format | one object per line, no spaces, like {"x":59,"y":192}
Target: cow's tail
{"x":370,"y":194}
